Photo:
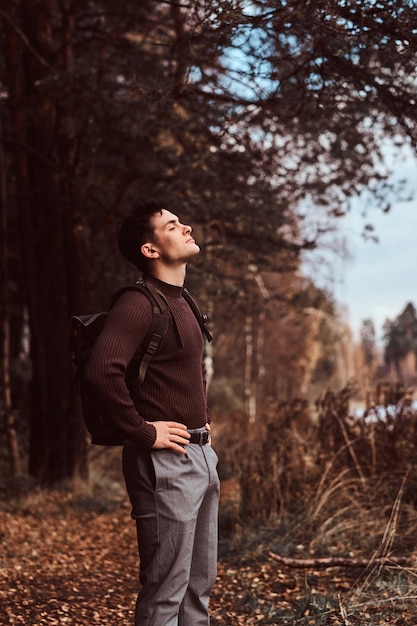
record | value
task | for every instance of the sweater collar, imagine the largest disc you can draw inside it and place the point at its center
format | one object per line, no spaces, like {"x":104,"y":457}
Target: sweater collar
{"x":171,"y":291}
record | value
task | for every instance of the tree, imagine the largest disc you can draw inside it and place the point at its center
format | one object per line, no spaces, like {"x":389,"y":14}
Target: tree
{"x":243,"y":115}
{"x":400,"y":339}
{"x":368,"y":342}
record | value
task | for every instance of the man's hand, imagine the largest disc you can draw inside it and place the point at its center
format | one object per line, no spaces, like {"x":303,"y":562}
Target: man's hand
{"x":172,"y":435}
{"x":208,"y":428}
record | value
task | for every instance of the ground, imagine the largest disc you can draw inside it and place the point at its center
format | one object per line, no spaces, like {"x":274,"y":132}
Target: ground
{"x":69,"y":559}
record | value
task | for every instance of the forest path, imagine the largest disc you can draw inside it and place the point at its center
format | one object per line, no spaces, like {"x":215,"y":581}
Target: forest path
{"x":72,"y":561}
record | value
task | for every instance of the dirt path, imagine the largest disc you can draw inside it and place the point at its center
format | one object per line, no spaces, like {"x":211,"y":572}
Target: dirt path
{"x":73,"y":561}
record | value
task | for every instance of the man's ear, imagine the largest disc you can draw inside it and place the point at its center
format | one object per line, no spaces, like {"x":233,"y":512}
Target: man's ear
{"x":149,"y":251}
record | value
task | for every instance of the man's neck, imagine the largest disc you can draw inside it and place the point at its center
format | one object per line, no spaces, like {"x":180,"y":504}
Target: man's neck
{"x":170,"y":275}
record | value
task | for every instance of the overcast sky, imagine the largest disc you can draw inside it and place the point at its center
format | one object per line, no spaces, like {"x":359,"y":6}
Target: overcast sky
{"x":380,"y":278}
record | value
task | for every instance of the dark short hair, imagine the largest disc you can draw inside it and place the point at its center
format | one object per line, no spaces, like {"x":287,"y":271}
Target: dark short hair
{"x":136,"y":229}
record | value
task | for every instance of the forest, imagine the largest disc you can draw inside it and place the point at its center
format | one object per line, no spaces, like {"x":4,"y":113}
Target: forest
{"x":260,"y":122}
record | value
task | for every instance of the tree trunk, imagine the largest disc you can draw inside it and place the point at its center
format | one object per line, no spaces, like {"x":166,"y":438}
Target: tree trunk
{"x":57,"y":436}
{"x":250,"y":395}
{"x":6,"y":399}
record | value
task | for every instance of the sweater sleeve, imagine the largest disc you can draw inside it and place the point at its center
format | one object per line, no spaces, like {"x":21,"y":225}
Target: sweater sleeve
{"x":126,"y":327}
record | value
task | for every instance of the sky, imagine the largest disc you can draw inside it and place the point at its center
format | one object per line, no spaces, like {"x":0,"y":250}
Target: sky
{"x":380,"y":278}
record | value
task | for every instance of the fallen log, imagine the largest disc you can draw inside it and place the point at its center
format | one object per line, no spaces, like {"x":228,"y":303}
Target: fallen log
{"x":331,"y":561}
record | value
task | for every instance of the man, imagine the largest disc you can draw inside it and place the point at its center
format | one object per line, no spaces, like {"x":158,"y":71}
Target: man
{"x":170,"y":472}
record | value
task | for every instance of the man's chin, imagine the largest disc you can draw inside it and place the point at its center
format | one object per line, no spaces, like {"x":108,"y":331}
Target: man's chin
{"x":195,"y":249}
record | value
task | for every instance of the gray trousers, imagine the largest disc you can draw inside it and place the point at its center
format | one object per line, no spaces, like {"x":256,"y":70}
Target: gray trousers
{"x":175,"y":504}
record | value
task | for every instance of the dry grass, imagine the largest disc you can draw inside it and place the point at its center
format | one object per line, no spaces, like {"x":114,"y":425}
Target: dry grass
{"x":342,"y":487}
{"x":346,"y":523}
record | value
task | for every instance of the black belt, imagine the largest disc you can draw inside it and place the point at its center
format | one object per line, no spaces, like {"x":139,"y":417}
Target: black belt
{"x":201,"y":437}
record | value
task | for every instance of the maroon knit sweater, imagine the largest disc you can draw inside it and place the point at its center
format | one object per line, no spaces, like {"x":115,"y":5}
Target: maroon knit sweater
{"x":174,"y":385}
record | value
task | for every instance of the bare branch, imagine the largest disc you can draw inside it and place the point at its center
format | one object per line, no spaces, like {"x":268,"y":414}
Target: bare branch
{"x":340,"y":561}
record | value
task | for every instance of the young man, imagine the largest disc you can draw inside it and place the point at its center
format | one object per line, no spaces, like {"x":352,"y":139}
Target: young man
{"x":170,"y":472}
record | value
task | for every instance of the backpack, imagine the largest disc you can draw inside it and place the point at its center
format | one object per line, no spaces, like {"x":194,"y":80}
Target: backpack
{"x":84,"y":331}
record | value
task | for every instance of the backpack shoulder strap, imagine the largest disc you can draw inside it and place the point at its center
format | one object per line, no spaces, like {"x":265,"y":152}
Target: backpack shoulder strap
{"x":201,"y":319}
{"x":160,"y":319}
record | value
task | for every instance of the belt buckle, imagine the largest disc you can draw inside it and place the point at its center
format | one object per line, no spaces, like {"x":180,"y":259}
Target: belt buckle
{"x":204,"y":437}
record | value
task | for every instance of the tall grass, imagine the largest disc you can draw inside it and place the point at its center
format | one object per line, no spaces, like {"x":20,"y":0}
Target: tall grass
{"x":337,"y":485}
{"x":290,"y":461}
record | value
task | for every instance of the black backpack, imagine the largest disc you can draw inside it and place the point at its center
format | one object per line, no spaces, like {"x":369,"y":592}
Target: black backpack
{"x":83,"y":332}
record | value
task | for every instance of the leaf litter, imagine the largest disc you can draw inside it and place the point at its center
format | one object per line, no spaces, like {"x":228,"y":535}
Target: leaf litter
{"x":69,"y":561}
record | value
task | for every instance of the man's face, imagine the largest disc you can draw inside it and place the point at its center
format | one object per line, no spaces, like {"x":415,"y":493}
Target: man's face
{"x":172,"y":240}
